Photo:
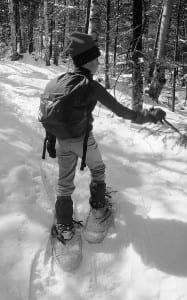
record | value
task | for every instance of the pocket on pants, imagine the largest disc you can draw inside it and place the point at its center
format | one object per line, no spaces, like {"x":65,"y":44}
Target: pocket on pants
{"x":92,"y":143}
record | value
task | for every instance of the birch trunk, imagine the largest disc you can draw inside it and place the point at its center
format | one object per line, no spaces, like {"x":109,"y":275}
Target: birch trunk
{"x":94,"y":24}
{"x":158,"y":80}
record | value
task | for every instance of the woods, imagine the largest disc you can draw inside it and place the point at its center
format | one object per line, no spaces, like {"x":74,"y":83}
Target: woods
{"x":145,"y":38}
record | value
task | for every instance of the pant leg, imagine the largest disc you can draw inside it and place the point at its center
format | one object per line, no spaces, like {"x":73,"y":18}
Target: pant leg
{"x":94,"y":160}
{"x":67,"y":162}
{"x":67,"y":154}
{"x":93,"y":157}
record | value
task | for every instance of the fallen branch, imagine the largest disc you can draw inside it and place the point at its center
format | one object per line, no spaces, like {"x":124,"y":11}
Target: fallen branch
{"x":183,"y":137}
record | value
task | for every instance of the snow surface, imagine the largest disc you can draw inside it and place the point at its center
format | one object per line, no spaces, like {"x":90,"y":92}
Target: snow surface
{"x":144,"y":256}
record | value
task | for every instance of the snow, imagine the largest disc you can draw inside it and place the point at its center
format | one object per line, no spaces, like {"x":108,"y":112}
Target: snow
{"x":144,"y":254}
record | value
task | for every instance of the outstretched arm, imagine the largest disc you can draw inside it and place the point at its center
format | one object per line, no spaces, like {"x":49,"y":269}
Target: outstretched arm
{"x":110,"y":102}
{"x":140,"y":117}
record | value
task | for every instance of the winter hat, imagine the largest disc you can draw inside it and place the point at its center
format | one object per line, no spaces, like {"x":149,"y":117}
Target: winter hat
{"x":82,"y":48}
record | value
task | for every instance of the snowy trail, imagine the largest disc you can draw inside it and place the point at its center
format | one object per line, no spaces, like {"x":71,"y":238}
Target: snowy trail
{"x":98,"y":265}
{"x":144,"y":255}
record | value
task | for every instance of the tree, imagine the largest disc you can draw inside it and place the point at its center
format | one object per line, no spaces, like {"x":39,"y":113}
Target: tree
{"x":39,"y":39}
{"x":22,"y":31}
{"x":4,"y":20}
{"x":30,"y":26}
{"x":56,"y":50}
{"x":47,"y":50}
{"x":107,"y":43}
{"x":176,"y":56}
{"x":137,"y":78}
{"x":66,"y":23}
{"x":94,"y":24}
{"x":158,"y":79}
{"x":87,"y":16}
{"x":116,"y":36}
{"x":13,"y":29}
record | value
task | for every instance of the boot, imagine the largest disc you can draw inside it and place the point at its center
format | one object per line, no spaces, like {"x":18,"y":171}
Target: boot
{"x":100,"y":216}
{"x":67,"y":243}
{"x":64,"y":210}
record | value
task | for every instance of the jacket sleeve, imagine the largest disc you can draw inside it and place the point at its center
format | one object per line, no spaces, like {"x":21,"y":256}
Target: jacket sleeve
{"x":110,"y":102}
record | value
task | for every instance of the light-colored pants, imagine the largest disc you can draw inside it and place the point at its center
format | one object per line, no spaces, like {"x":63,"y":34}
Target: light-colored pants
{"x":68,"y":152}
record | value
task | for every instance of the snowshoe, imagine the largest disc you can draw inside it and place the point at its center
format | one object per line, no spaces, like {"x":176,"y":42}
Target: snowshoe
{"x":67,"y":245}
{"x":99,"y":221}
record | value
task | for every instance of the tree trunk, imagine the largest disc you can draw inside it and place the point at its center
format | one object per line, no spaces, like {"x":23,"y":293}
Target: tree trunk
{"x":107,"y":43}
{"x":176,"y":58}
{"x":51,"y":38}
{"x":47,"y":58}
{"x":158,"y":79}
{"x":13,"y":28}
{"x":94,"y":24}
{"x":17,"y":23}
{"x":22,"y":31}
{"x":137,"y":78}
{"x":56,"y":49}
{"x":87,"y":16}
{"x":66,"y":26}
{"x":40,"y":33}
{"x":30,"y":27}
{"x":116,"y":40}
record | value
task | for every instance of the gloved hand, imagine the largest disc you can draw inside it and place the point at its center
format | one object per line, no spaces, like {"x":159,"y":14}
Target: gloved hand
{"x":51,"y":141}
{"x":153,"y":115}
{"x":157,"y":115}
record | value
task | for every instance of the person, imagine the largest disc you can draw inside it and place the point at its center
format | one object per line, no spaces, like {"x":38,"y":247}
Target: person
{"x":71,"y":145}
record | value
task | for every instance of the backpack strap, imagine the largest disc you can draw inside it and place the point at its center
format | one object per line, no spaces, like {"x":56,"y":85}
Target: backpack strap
{"x":44,"y":147}
{"x":85,"y":142}
{"x":49,"y":145}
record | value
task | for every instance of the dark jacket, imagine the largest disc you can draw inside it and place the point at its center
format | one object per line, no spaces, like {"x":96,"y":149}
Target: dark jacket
{"x":77,"y":113}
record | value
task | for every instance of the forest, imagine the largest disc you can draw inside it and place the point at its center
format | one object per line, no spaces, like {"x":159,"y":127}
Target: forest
{"x":144,"y":38}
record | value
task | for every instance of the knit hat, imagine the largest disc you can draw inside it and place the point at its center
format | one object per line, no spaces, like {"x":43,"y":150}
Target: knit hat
{"x":82,"y":48}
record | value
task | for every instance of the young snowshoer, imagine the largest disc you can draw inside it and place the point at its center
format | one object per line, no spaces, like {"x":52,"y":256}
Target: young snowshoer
{"x":71,"y":98}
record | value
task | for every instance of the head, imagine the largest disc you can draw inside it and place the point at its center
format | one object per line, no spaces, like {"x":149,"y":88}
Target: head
{"x":92,"y":65}
{"x":84,"y":51}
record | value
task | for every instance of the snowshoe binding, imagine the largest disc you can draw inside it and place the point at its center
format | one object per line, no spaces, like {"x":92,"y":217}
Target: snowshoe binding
{"x":100,"y":218}
{"x":67,"y":245}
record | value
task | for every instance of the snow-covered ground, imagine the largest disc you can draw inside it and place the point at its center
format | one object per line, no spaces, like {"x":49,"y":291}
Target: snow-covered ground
{"x":144,"y":256}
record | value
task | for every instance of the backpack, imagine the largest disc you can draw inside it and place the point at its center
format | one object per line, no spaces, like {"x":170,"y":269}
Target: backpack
{"x":64,"y":110}
{"x":63,"y":106}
